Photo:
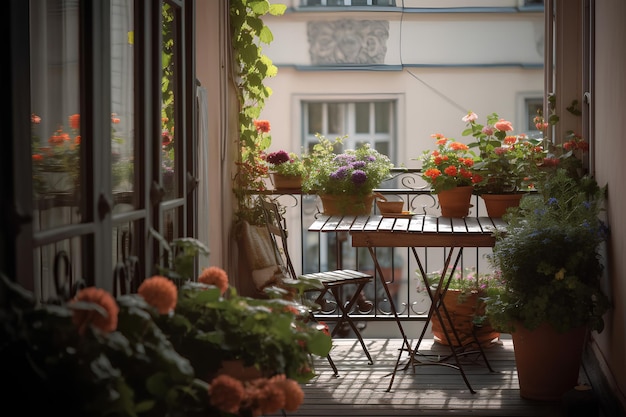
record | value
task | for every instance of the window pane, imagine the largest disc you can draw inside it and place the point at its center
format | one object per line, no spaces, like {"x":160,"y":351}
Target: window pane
{"x":55,"y":114}
{"x":533,"y":108}
{"x":381,"y":121}
{"x":336,"y":119}
{"x":168,"y":104}
{"x":362,"y":117}
{"x":122,"y":103}
{"x":315,"y":118}
{"x":382,"y":147}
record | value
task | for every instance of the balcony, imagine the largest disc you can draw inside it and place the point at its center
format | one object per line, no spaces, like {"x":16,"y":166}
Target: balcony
{"x":361,"y":389}
{"x":313,"y":252}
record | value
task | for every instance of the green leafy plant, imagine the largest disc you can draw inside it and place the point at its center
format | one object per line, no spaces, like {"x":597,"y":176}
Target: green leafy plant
{"x":506,"y":163}
{"x":210,"y":328}
{"x":550,"y":258}
{"x":180,"y":256}
{"x":467,"y":280}
{"x":448,"y":166}
{"x":80,"y":367}
{"x":352,"y":172}
{"x":253,"y":67}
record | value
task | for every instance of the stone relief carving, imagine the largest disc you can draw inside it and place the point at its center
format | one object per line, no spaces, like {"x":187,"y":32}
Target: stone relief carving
{"x":348,"y":41}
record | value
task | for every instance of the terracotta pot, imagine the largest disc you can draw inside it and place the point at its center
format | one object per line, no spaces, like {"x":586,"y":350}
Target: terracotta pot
{"x":497,"y":204}
{"x":342,"y":205}
{"x":455,"y":202}
{"x":548,"y":362}
{"x":286,"y":182}
{"x":462,"y":310}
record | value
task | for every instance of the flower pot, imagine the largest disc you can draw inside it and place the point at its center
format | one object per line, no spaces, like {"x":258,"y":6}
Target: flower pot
{"x":462,"y":309}
{"x":455,"y":202}
{"x":548,"y":362}
{"x":496,"y":204}
{"x":286,"y":182}
{"x":342,"y":205}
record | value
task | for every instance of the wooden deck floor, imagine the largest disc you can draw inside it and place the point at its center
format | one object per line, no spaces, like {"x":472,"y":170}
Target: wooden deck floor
{"x":361,"y":389}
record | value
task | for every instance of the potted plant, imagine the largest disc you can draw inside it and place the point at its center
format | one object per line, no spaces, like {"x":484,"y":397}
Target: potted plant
{"x":551,"y":266}
{"x":287,"y":169}
{"x":345,"y":181}
{"x":449,"y":170}
{"x":92,"y":355}
{"x":464,"y":301}
{"x":212,"y":326}
{"x":507,"y":165}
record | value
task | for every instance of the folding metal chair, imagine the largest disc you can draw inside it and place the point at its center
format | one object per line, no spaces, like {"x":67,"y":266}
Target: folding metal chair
{"x":334,"y":282}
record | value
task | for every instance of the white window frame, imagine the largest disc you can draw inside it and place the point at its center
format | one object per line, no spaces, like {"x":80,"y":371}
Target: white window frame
{"x":352,"y":138}
{"x":524,"y":115}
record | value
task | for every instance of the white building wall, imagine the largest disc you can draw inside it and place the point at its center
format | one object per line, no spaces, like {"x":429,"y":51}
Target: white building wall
{"x":438,"y":64}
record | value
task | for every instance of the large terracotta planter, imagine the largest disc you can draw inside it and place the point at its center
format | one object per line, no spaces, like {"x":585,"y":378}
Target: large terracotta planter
{"x":462,"y":309}
{"x":455,"y":202}
{"x":497,"y":204}
{"x":286,"y":182}
{"x":343,"y":205}
{"x":547,"y":362}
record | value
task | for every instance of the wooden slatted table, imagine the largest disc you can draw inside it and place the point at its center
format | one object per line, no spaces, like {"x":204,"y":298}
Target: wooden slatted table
{"x":415,"y":231}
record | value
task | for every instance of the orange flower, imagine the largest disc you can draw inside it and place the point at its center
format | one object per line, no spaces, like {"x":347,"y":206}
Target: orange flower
{"x":114,"y":119}
{"x":160,"y":292}
{"x":106,"y":322}
{"x":34,"y":119}
{"x":294,"y":396}
{"x":75,"y":121}
{"x":226,"y":393}
{"x":266,"y":397}
{"x":451,"y":171}
{"x":58,"y":138}
{"x":466,"y":174}
{"x":214,"y":276}
{"x":458,"y":146}
{"x":432,"y":173}
{"x":37,"y":157}
{"x":262,"y":126}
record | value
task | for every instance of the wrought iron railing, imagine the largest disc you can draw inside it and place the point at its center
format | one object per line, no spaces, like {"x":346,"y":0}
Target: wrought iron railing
{"x":313,"y":252}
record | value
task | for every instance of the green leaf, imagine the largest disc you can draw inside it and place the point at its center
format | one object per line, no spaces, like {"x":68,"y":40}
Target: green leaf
{"x":277,"y":9}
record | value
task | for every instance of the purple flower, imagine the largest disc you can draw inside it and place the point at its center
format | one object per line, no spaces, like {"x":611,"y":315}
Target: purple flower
{"x":278,"y":157}
{"x":358,"y":165}
{"x":359,"y":177}
{"x":344,"y":159}
{"x":341,"y":173}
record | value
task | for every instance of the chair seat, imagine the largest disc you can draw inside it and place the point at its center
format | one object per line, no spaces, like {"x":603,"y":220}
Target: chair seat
{"x":340,"y":277}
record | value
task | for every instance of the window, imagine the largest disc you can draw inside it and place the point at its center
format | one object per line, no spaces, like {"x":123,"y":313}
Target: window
{"x":529,"y":105}
{"x":94,"y":145}
{"x":362,"y":121}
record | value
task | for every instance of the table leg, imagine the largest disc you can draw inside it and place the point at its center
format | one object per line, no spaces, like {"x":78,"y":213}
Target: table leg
{"x":437,"y":306}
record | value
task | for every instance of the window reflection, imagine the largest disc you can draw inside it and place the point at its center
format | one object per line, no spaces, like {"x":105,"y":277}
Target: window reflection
{"x":122,"y":102}
{"x":55,"y":115}
{"x":168,"y":88}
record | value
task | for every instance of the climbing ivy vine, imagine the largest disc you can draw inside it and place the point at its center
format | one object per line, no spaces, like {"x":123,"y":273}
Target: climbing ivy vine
{"x":249,"y":33}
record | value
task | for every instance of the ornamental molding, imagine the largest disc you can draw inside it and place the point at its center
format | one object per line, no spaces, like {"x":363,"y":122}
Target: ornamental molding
{"x":348,"y":41}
